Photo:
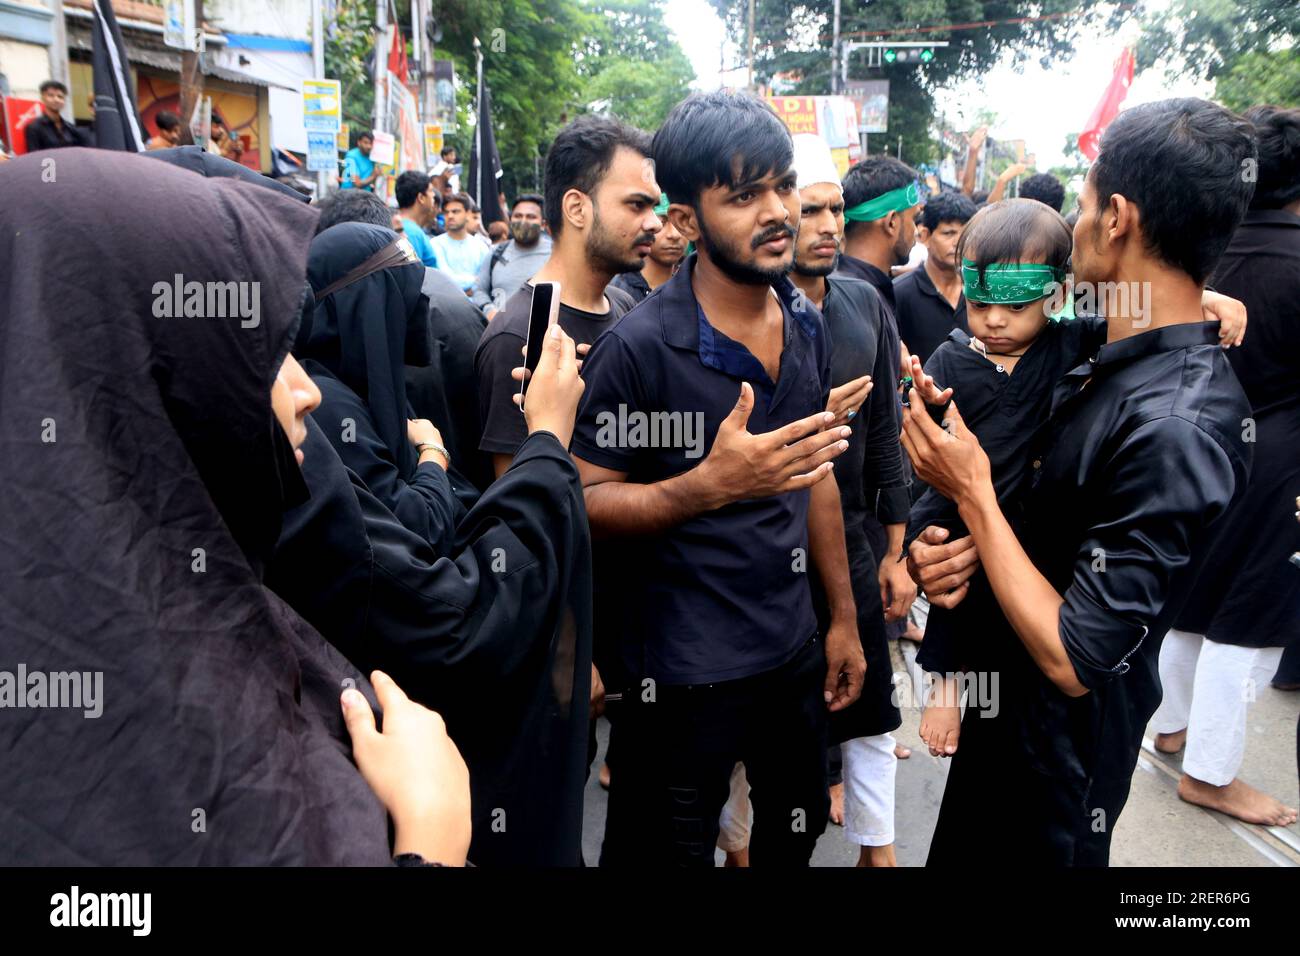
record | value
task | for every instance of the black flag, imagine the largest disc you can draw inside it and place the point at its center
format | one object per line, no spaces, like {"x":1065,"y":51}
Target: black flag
{"x":117,"y":121}
{"x":484,"y":179}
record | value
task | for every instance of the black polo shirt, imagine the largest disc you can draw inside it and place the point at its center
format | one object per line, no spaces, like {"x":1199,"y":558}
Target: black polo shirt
{"x":1143,"y":451}
{"x":41,"y":133}
{"x":725,"y":594}
{"x":633,"y":283}
{"x":924,"y":316}
{"x":856,"y":268}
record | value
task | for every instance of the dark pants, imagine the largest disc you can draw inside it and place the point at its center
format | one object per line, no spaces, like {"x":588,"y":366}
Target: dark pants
{"x":677,"y":751}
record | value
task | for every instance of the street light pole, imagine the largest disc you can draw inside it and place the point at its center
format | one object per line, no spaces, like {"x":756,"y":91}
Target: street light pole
{"x":835,"y":52}
{"x":318,"y":70}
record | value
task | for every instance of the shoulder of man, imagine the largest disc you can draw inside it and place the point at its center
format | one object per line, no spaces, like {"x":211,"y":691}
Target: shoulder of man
{"x":621,"y":302}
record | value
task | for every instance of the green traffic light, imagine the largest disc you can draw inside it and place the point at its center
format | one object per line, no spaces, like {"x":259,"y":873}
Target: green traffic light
{"x":891,"y":56}
{"x":927,"y":55}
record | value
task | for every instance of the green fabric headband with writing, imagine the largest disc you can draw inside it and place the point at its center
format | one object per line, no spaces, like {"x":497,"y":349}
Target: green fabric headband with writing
{"x":896,"y":200}
{"x":661,"y":209}
{"x":1010,"y":283}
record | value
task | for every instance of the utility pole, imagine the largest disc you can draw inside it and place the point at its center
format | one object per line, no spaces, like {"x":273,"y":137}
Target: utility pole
{"x":749,"y":82}
{"x":191,"y":73}
{"x":318,"y":71}
{"x":381,"y":66}
{"x":478,"y":122}
{"x":835,"y":52}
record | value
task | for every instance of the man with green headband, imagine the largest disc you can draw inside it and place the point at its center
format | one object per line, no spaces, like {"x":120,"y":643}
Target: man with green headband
{"x":881,"y":201}
{"x":668,"y":250}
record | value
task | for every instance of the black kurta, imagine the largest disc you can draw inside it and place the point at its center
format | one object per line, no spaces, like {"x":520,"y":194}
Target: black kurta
{"x":1248,"y":593}
{"x":1141,"y":455}
{"x":495,"y":635}
{"x":872,"y":485}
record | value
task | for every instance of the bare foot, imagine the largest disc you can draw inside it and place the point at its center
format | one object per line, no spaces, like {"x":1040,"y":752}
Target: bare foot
{"x":901,"y":752}
{"x":1171,"y":743}
{"x":877,"y":856}
{"x":1237,"y":799}
{"x":737,"y":858}
{"x":603,"y":776}
{"x":837,"y":804}
{"x":940,"y":728}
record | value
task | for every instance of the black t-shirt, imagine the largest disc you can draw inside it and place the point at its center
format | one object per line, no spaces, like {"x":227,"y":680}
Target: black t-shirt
{"x":501,"y":350}
{"x":924,"y":316}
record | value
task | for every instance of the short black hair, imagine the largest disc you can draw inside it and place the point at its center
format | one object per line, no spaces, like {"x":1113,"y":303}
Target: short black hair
{"x":166,"y":120}
{"x":363,"y":134}
{"x":410,"y":186}
{"x":1277,"y":135}
{"x":462,"y":198}
{"x":947,"y":207}
{"x":1044,"y":187}
{"x":980,"y":198}
{"x":1016,"y":230}
{"x":54,"y":85}
{"x":1182,"y":163}
{"x":874,"y":177}
{"x":529,"y":197}
{"x":447,"y":149}
{"x":581,"y":156}
{"x":718,"y":139}
{"x":352,"y":205}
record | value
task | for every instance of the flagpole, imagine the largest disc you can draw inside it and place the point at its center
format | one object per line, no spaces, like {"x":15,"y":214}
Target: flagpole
{"x":318,"y":70}
{"x":478,"y":123}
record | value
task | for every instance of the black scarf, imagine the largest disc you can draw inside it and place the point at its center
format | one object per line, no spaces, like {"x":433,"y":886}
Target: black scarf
{"x":144,"y":477}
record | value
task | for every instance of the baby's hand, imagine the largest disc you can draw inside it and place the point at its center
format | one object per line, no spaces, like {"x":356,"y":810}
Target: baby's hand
{"x":925,"y":384}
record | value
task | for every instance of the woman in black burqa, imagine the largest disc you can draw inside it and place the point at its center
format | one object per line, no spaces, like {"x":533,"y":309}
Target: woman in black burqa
{"x":371,"y":319}
{"x":145,"y":474}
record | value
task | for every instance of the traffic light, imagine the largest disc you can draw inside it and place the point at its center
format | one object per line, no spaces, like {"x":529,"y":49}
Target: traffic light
{"x":927,"y":55}
{"x":907,"y":54}
{"x":891,"y":55}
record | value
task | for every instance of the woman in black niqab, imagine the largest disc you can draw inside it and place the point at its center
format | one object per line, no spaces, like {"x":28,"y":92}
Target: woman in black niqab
{"x":145,"y":476}
{"x":368,"y":323}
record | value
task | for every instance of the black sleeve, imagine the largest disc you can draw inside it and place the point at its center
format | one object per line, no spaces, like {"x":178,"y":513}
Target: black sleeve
{"x":504,"y":427}
{"x":1145,"y":533}
{"x":933,"y":508}
{"x":35,"y":135}
{"x":882,"y":470}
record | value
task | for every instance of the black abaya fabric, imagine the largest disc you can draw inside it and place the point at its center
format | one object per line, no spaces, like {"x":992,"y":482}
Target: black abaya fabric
{"x":144,"y":483}
{"x":356,"y":346}
{"x":495,"y":635}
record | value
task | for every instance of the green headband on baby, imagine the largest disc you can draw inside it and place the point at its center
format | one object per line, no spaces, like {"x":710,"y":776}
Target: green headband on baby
{"x":1010,"y":283}
{"x":896,"y":200}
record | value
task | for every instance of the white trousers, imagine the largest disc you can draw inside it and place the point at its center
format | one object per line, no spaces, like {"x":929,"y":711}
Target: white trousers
{"x":869,"y":771}
{"x":1208,"y":690}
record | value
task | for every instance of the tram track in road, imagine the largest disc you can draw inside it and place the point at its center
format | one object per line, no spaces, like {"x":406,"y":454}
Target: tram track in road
{"x":1278,"y":845}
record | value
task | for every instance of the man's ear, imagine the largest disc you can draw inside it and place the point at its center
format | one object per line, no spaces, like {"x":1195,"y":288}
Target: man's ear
{"x":922,"y":234}
{"x":683,"y":219}
{"x":1122,"y":218}
{"x":892,"y":224}
{"x":574,"y":207}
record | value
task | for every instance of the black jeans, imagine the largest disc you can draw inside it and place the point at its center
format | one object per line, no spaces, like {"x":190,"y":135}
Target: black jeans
{"x":676,"y":752}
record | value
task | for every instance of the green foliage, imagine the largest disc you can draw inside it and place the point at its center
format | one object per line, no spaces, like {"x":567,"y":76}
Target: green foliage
{"x":795,"y":36}
{"x":1207,"y":38}
{"x":348,"y":40}
{"x":1258,"y":78}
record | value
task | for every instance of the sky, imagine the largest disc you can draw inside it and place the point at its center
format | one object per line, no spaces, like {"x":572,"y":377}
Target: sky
{"x":1036,"y":105}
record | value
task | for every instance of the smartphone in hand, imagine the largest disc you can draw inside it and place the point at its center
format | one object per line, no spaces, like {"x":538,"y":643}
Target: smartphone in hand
{"x":542,"y":314}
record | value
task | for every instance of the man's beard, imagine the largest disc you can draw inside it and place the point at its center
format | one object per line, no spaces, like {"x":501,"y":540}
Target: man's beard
{"x":728,"y":261}
{"x":607,"y":254}
{"x":525,"y":234}
{"x":820,"y":271}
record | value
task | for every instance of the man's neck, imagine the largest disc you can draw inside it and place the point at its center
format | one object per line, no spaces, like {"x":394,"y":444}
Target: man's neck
{"x":869,"y":247}
{"x":57,"y":118}
{"x":655,"y":273}
{"x":720,"y":295}
{"x":582,"y":287}
{"x":412,"y":215}
{"x":946,"y":281}
{"x":813,"y":287}
{"x":1158,"y":296}
{"x":457,"y":234}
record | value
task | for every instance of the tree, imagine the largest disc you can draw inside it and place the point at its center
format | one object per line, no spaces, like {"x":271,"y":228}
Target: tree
{"x":633,"y":68}
{"x":348,"y":41}
{"x":1258,"y":78}
{"x":1207,"y":38}
{"x":794,"y":36}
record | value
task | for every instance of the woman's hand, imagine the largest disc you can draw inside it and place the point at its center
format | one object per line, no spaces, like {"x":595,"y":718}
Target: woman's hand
{"x":414,"y":769}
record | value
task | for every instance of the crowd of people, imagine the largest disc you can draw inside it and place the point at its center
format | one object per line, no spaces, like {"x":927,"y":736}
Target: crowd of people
{"x":352,"y":600}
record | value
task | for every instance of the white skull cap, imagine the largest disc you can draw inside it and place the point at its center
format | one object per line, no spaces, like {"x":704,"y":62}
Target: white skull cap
{"x":813,"y":162}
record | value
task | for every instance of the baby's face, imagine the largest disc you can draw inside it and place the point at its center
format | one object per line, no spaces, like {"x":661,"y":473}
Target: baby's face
{"x":1006,"y":329}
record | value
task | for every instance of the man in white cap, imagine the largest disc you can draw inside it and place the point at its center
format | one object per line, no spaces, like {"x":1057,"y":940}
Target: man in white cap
{"x":873,"y":488}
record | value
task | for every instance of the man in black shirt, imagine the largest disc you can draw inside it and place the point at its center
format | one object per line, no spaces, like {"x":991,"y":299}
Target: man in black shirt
{"x":1143,"y":451}
{"x":48,"y":131}
{"x":881,"y":202}
{"x":928,"y":302}
{"x":600,"y":199}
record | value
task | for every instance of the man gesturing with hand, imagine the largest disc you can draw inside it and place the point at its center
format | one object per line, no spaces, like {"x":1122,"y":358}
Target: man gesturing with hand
{"x":706,"y":453}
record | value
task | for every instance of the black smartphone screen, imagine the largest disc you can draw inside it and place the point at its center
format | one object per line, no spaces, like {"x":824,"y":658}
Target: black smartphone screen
{"x":539,"y":317}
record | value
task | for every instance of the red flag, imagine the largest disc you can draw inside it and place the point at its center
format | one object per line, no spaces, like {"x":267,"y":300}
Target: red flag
{"x":397,"y":58}
{"x":1108,"y":108}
